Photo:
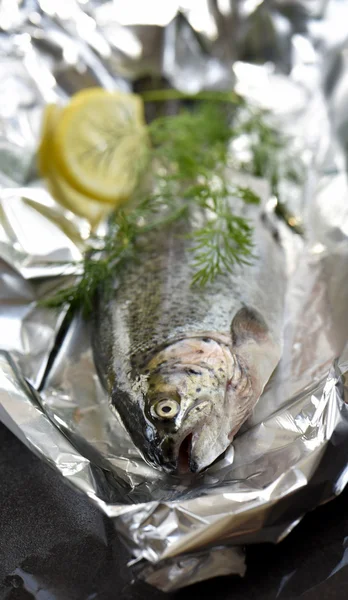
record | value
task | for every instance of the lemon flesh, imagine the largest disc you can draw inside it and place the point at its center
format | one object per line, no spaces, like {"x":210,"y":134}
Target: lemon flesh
{"x":100,"y":144}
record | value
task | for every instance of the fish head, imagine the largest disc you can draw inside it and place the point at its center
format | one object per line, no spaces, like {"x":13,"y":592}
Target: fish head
{"x":200,"y":390}
{"x":186,"y":391}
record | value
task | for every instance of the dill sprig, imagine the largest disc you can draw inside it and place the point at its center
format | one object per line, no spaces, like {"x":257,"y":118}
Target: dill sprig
{"x":270,"y":157}
{"x":225,"y":239}
{"x":185,"y":170}
{"x":107,"y":256}
{"x":188,"y":158}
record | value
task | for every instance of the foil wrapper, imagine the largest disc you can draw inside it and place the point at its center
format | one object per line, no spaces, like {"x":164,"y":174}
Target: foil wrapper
{"x":287,"y":56}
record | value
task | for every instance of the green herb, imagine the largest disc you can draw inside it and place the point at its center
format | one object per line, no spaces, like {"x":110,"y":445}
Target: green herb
{"x":185,"y":169}
{"x":270,"y":158}
{"x":111,"y":254}
{"x":225,"y":240}
{"x":210,"y":96}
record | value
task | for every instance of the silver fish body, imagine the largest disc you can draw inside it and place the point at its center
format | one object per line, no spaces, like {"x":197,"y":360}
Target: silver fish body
{"x":185,"y":366}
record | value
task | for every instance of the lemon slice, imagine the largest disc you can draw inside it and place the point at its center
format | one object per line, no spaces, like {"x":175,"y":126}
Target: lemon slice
{"x":100,"y":144}
{"x":76,"y":202}
{"x":50,"y":118}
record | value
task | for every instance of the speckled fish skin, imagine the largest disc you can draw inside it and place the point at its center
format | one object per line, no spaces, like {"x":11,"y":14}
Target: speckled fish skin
{"x":185,"y":366}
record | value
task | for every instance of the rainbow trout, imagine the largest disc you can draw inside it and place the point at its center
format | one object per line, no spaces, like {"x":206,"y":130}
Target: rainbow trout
{"x":185,"y":366}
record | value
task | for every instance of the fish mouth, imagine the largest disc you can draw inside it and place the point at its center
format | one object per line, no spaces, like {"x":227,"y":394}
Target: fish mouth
{"x":176,"y":458}
{"x":184,"y":462}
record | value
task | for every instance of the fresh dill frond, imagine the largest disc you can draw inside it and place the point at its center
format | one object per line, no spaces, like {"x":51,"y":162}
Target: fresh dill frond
{"x":192,"y":150}
{"x":270,"y":157}
{"x":165,"y":95}
{"x":223,"y":242}
{"x":107,"y":256}
{"x":104,"y":256}
{"x":186,"y":169}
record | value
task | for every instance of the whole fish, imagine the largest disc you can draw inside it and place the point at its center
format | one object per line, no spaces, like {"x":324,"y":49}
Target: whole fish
{"x":185,"y":366}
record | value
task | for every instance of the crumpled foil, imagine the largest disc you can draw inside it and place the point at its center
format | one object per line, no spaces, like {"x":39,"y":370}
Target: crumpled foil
{"x":287,"y":56}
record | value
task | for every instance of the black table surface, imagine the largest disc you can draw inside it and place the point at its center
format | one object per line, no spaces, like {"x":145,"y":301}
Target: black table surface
{"x":55,"y":545}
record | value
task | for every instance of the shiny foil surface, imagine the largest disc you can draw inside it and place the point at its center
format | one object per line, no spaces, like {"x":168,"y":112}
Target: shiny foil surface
{"x":287,"y":56}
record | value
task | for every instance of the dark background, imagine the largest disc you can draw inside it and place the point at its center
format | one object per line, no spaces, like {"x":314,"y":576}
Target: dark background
{"x":55,"y":545}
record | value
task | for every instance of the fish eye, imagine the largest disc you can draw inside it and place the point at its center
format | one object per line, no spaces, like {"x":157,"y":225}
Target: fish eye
{"x":167,"y":408}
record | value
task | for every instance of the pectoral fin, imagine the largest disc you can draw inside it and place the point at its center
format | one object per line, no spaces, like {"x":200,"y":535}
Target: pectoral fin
{"x":248,"y":324}
{"x":254,"y":343}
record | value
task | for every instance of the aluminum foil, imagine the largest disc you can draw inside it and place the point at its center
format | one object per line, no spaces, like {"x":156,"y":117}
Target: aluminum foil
{"x":292,"y":454}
